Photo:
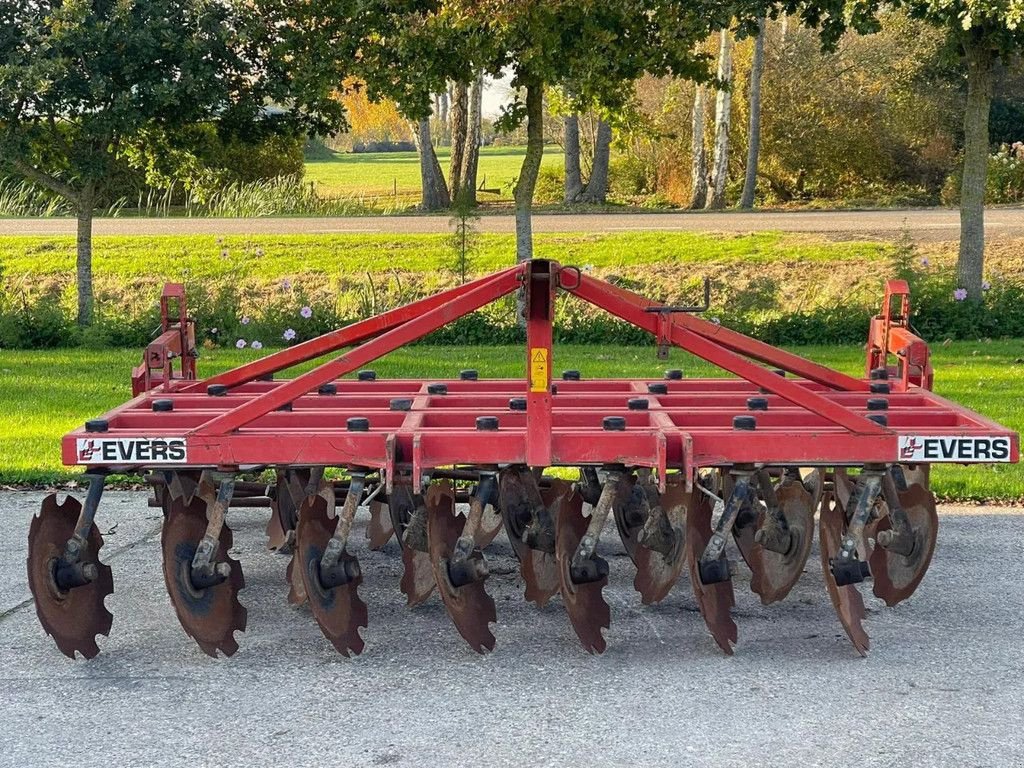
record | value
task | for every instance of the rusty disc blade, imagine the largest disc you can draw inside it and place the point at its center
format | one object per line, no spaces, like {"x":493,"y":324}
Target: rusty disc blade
{"x":588,"y":611}
{"x":490,"y":527}
{"x":714,"y":600}
{"x":380,"y":529}
{"x":630,"y":511}
{"x":846,"y":600}
{"x":519,"y":492}
{"x":657,"y":572}
{"x":844,"y":487}
{"x":775,"y":573}
{"x":339,"y":611}
{"x":283,"y":517}
{"x":897,"y":576}
{"x":296,"y":586}
{"x":746,"y":523}
{"x":212,"y":615}
{"x":73,"y":618}
{"x":470,"y":607}
{"x":418,"y":577}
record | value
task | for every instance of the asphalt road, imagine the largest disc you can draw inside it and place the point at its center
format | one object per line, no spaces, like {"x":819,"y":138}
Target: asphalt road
{"x":933,"y":224}
{"x":942,"y":686}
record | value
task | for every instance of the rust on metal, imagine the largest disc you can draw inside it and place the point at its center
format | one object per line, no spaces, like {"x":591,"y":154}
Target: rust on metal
{"x":847,"y":600}
{"x":73,"y":617}
{"x":896,"y":575}
{"x":715,"y":601}
{"x":470,"y":607}
{"x":661,"y":556}
{"x":588,"y":611}
{"x":210,"y":615}
{"x":775,"y":573}
{"x":338,"y":610}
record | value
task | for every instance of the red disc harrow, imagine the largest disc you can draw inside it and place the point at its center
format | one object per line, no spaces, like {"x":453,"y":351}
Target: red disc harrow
{"x":682,"y":465}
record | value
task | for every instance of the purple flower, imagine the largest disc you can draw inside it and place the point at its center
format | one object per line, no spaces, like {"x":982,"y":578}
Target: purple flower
{"x":286,"y":285}
{"x":306,"y":312}
{"x":240,"y":343}
{"x":960,"y":294}
{"x":925,"y":262}
{"x":257,"y":345}
{"x":246,"y":320}
{"x":214,"y":331}
{"x":288,"y":335}
{"x":716,"y":321}
{"x":986,"y":285}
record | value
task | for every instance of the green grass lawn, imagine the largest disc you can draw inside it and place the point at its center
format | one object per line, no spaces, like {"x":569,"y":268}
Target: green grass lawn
{"x":44,"y":394}
{"x":380,"y":173}
{"x":277,"y":256}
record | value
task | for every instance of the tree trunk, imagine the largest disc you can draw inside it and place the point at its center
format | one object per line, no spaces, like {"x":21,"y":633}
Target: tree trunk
{"x":597,"y":186}
{"x":754,"y":128}
{"x":527,"y":181}
{"x":83,"y":266}
{"x":698,"y":154}
{"x":970,"y":265}
{"x":573,"y":174}
{"x":435,"y":191}
{"x":459,"y":114}
{"x":471,"y":154}
{"x":723,"y":107}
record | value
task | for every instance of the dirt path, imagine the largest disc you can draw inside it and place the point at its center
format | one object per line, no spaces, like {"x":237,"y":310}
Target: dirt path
{"x":925,"y":225}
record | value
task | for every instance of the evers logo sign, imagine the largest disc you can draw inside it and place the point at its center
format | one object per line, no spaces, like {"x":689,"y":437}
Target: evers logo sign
{"x":132,"y":450}
{"x":927,"y":449}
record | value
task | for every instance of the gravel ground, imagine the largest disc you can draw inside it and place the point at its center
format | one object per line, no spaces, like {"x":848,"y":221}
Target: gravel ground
{"x":932,"y":224}
{"x":942,"y":686}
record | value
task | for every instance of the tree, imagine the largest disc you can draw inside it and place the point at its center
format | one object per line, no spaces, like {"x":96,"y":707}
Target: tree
{"x":986,"y":31}
{"x":600,"y":47}
{"x":459,"y":119}
{"x":597,"y":185}
{"x":86,"y":85}
{"x":471,"y":155}
{"x":571,"y":159}
{"x":435,"y":193}
{"x":723,"y":115}
{"x":698,"y":153}
{"x":754,"y":121}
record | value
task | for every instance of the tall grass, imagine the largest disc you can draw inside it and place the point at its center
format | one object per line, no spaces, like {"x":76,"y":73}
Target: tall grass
{"x":19,"y":198}
{"x":284,"y":196}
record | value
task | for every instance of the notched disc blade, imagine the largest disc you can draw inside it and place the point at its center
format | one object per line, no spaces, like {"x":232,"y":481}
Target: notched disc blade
{"x":585,"y":603}
{"x":210,"y":616}
{"x":846,"y":600}
{"x":380,"y":529}
{"x":897,"y":576}
{"x":75,"y":617}
{"x":657,"y":573}
{"x":470,"y":607}
{"x":519,"y":492}
{"x":774,"y":573}
{"x":714,"y":600}
{"x":339,"y":611}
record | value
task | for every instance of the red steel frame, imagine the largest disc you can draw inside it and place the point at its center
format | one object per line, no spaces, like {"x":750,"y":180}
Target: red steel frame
{"x":817,"y":418}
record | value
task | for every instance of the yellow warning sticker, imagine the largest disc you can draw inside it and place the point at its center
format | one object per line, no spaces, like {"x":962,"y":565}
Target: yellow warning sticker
{"x":539,"y":369}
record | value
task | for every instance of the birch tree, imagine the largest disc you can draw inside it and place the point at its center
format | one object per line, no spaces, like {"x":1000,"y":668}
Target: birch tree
{"x":723,"y":114}
{"x":698,"y":152}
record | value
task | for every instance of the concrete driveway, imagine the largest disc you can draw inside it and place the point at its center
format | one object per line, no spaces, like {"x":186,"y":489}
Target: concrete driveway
{"x":942,"y":686}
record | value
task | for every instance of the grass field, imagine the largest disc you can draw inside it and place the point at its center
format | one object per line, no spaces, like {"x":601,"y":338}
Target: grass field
{"x":279,"y":256}
{"x":45,"y":394}
{"x":379,"y":174}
